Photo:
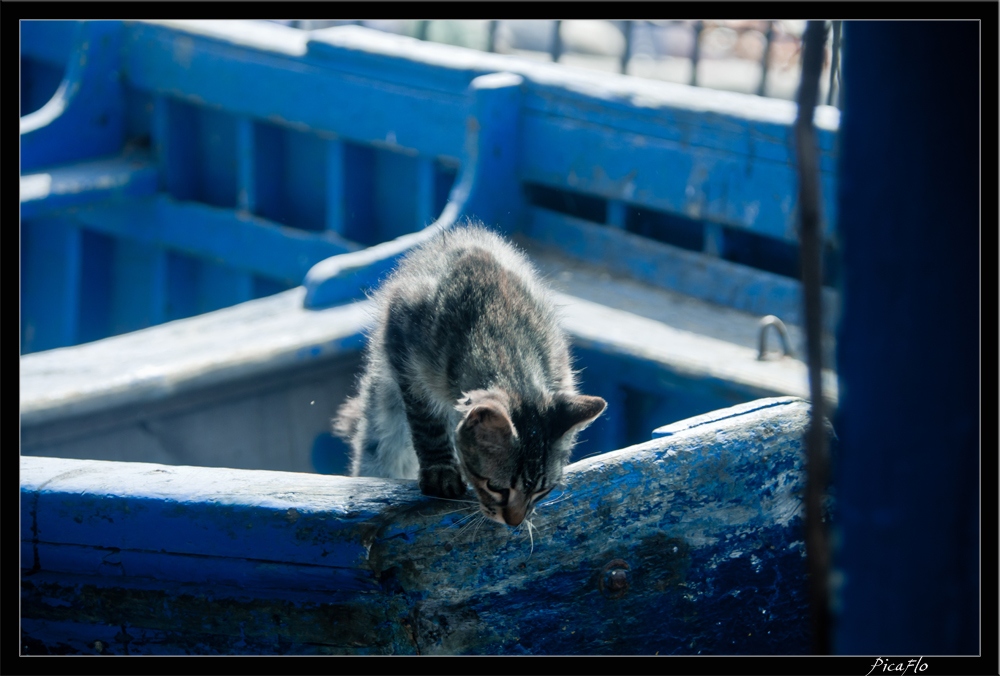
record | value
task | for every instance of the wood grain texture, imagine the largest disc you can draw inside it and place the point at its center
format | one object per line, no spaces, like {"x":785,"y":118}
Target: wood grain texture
{"x":149,"y":559}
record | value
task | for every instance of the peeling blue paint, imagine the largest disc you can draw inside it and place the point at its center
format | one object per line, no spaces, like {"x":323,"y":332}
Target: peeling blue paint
{"x":372,"y":567}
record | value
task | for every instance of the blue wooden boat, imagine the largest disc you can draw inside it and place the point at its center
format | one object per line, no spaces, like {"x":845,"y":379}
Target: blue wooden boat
{"x":194,"y":271}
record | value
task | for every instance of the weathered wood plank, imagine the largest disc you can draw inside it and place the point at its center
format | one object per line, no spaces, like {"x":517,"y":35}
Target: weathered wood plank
{"x":715,"y":280}
{"x":247,"y":340}
{"x":707,"y":521}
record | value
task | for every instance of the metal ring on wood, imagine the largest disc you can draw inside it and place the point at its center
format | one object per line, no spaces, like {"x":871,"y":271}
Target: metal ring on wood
{"x":771,"y":320}
{"x":614,"y":581}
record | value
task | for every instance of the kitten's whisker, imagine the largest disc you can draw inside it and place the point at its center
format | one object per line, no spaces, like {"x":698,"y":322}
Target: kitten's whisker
{"x":471,"y":502}
{"x":464,"y":518}
{"x":475,"y":532}
{"x":564,"y":495}
{"x":475,"y":525}
{"x":530,"y":537}
{"x":589,"y":455}
{"x":550,"y":499}
{"x":471,"y":522}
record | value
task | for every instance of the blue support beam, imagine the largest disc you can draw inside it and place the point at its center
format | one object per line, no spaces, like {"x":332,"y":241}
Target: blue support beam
{"x":140,"y":296}
{"x":908,"y":479}
{"x":50,"y":278}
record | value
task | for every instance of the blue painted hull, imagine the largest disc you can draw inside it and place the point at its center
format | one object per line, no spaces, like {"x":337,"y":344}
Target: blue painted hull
{"x":688,"y":544}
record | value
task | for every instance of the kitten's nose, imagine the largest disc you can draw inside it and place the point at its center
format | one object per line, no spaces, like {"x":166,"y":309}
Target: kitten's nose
{"x":514,"y":515}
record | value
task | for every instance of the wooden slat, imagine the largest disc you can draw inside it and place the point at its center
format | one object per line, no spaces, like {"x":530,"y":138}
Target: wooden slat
{"x":238,"y":240}
{"x":688,"y":272}
{"x":47,"y":192}
{"x":246,"y":165}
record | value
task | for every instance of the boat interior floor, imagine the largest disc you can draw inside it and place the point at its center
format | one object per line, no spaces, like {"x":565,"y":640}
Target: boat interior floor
{"x":598,"y":284}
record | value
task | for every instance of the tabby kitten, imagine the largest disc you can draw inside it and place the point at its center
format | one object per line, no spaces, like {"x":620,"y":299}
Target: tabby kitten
{"x":467,"y":377}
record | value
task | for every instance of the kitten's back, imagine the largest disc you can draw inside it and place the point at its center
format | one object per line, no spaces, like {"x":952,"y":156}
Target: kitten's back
{"x":476,"y":311}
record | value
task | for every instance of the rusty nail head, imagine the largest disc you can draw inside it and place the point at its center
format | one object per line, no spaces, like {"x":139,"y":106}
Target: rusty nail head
{"x":614,"y":579}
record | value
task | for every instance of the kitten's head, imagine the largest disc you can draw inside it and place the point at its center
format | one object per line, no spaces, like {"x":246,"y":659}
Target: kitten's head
{"x":513,"y":453}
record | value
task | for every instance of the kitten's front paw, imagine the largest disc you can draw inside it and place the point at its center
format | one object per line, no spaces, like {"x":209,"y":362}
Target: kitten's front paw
{"x":443,"y":481}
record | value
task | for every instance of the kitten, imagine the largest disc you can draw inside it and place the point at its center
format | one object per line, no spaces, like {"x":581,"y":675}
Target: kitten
{"x":467,"y":377}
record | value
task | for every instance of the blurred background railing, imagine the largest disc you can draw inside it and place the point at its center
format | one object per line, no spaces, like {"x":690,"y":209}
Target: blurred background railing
{"x":750,"y":56}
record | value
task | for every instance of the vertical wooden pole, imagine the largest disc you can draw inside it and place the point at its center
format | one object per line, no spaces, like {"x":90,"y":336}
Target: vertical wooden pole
{"x":817,"y":549}
{"x":696,"y":53}
{"x":627,"y":54}
{"x":765,"y":60}
{"x":556,"y":41}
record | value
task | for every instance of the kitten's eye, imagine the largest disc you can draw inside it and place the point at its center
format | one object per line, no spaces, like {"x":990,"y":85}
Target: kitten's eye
{"x":483,"y":481}
{"x":540,"y":495}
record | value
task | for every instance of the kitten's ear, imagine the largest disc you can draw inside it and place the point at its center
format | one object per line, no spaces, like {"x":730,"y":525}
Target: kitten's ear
{"x":575,"y":411}
{"x":486,"y":421}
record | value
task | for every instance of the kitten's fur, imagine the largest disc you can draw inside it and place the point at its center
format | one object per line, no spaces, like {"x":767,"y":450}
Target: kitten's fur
{"x":467,"y":375}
